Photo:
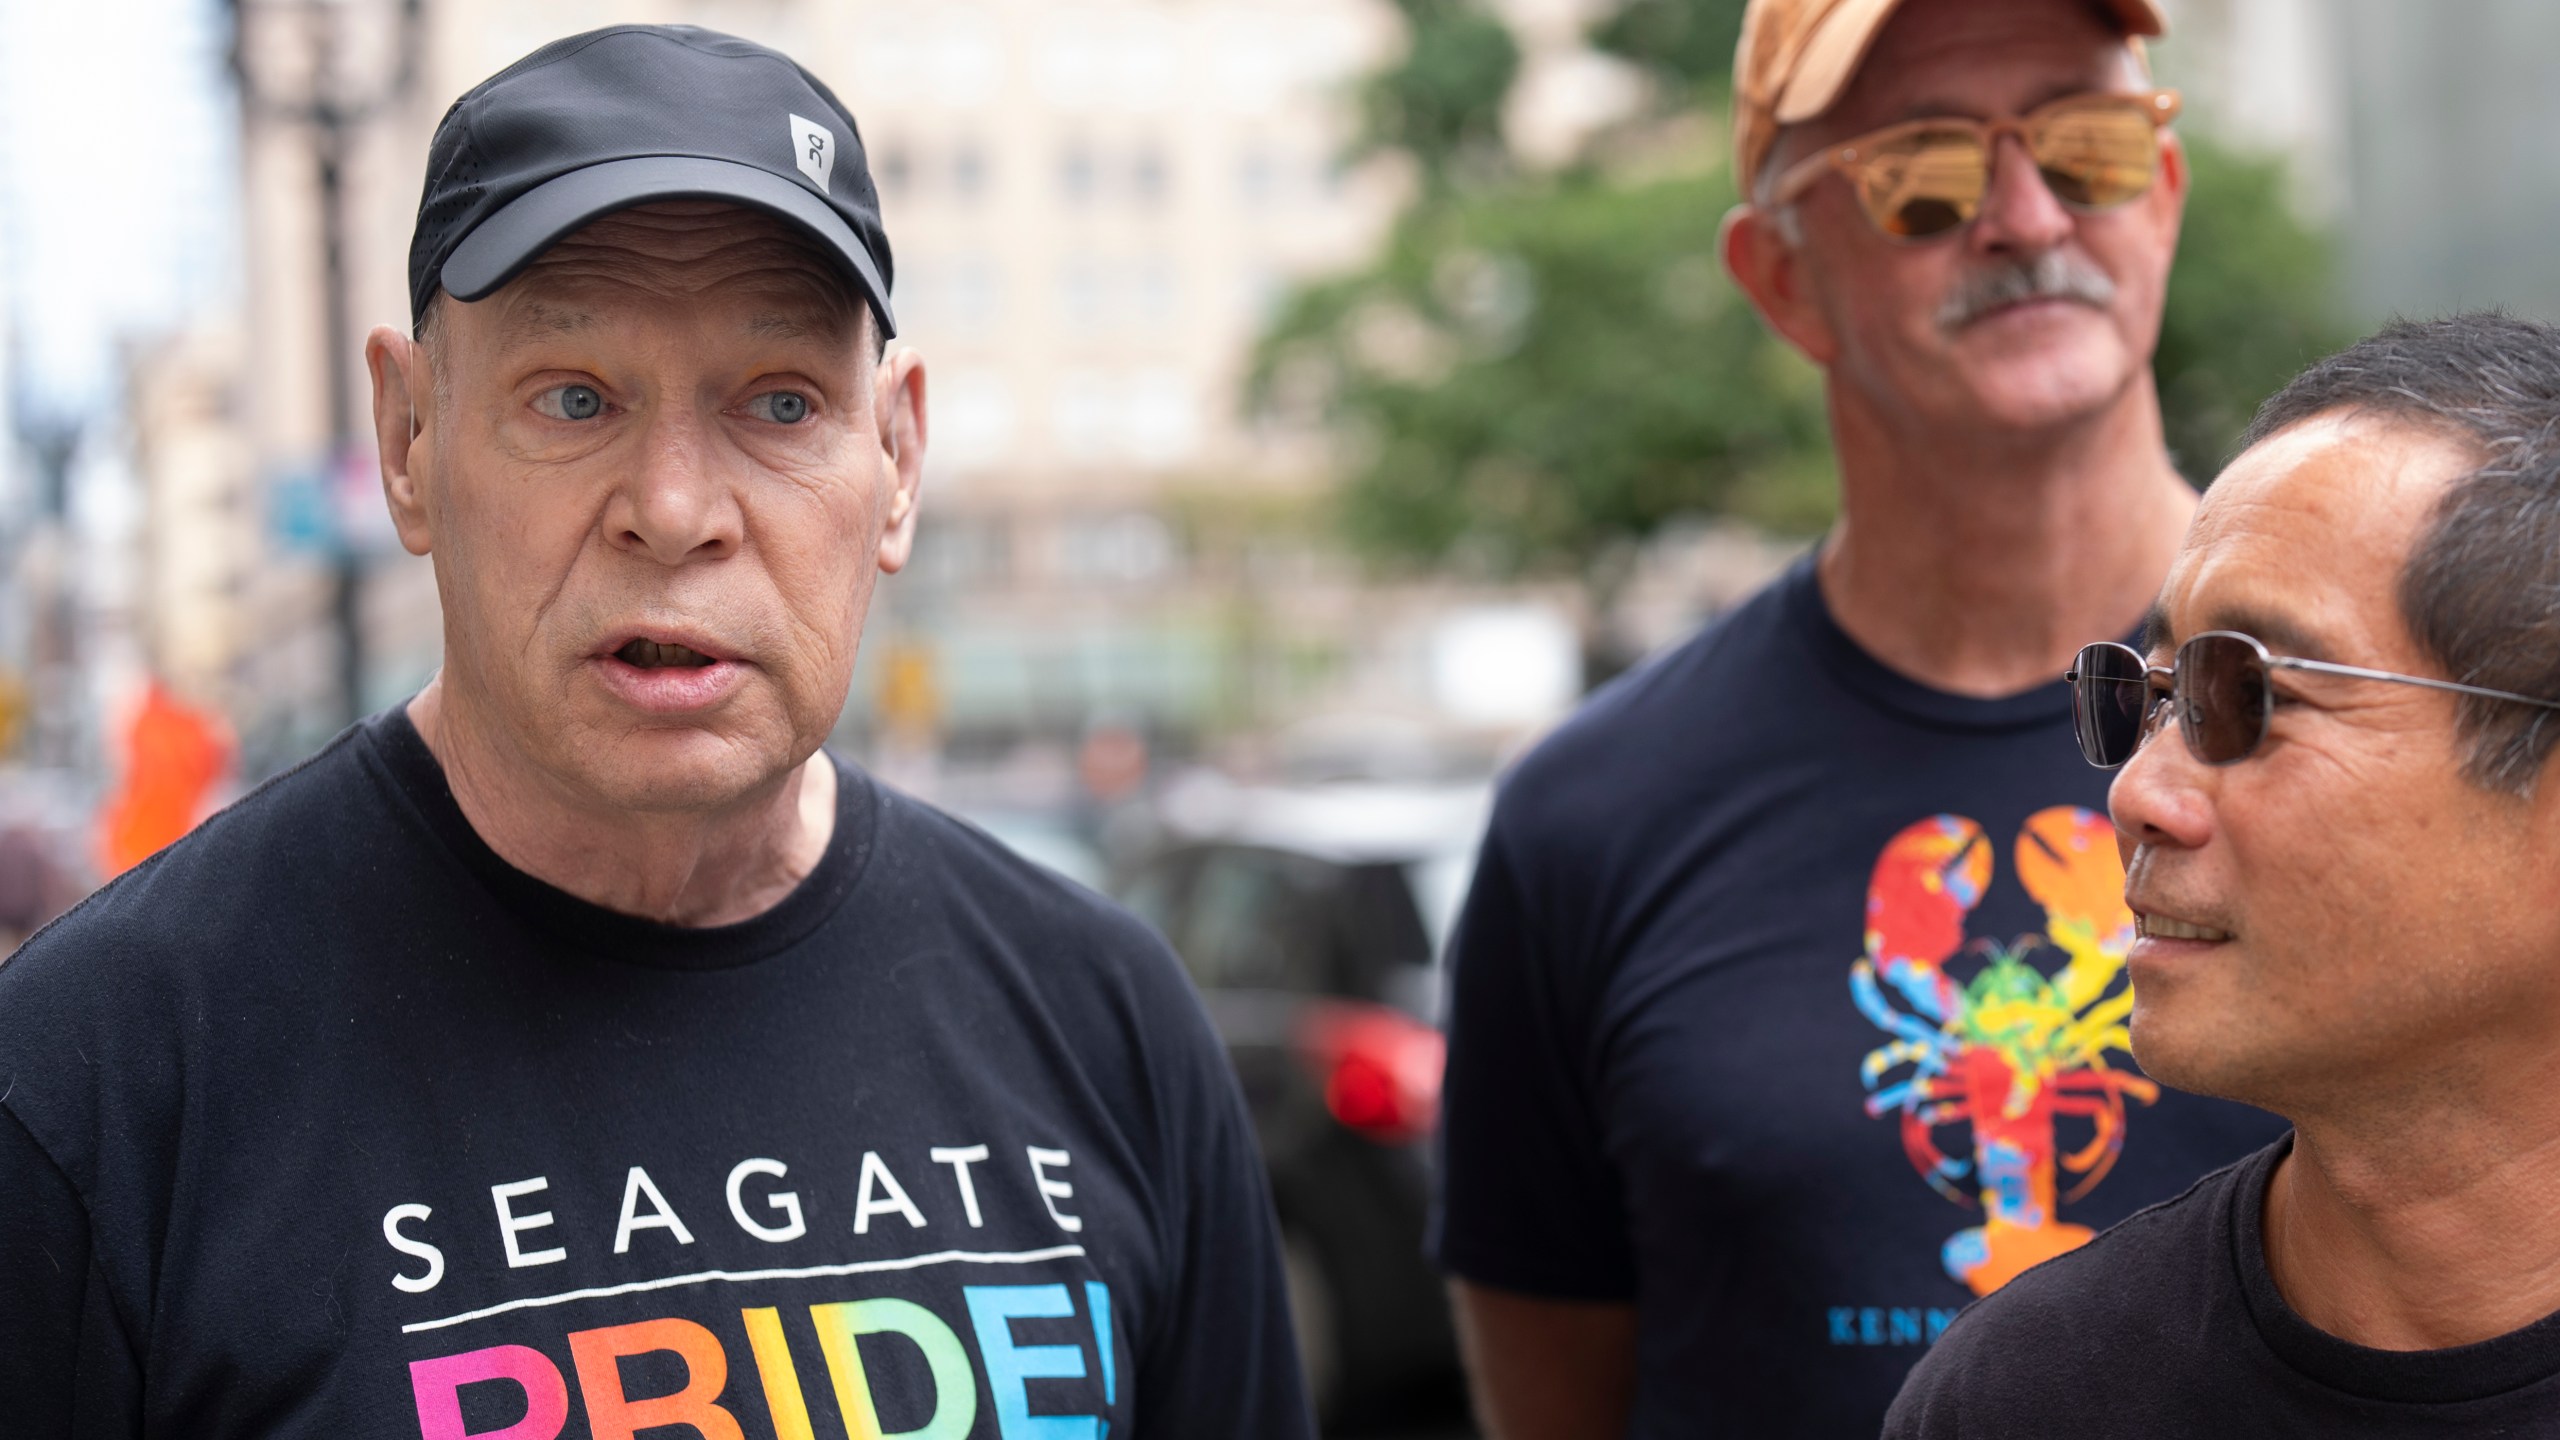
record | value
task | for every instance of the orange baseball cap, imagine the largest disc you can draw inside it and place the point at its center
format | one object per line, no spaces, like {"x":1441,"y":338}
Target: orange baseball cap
{"x":1796,"y":56}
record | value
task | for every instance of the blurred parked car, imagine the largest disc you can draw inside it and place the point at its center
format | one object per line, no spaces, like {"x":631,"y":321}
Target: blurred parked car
{"x":1045,"y":840}
{"x":1311,"y":918}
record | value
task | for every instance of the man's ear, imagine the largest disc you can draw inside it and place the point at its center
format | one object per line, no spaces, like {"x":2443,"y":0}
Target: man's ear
{"x":401,"y":428}
{"x":1769,"y":268}
{"x":897,"y":409}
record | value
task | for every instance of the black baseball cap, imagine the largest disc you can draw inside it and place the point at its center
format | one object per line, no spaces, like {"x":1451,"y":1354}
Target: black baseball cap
{"x":626,"y":116}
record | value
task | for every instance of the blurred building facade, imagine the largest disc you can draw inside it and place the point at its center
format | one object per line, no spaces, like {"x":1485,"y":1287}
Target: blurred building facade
{"x":2420,"y":133}
{"x":200,"y":536}
{"x":1094,"y":205}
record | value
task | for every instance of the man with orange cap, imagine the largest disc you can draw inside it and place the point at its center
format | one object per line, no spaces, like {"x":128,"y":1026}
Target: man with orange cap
{"x":1788,"y":1006}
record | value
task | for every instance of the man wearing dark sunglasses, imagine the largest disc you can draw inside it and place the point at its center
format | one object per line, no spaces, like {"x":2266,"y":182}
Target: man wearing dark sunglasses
{"x":2343,"y":850}
{"x":1788,"y":1005}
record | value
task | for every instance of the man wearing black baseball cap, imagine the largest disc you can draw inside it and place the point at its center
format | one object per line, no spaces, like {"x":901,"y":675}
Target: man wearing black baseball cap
{"x":577,"y":1049}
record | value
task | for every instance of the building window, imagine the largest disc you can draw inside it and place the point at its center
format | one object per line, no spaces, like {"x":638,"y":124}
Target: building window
{"x":957,"y":550}
{"x":972,"y":417}
{"x":1082,"y":416}
{"x":1084,"y":299}
{"x":1076,"y":177}
{"x":973,"y":294}
{"x":894,"y":170}
{"x":1149,"y":177}
{"x":1155,"y":292}
{"x":1131,"y":548}
{"x":1163,"y":420}
{"x":968,"y":171}
{"x":1257,"y":177}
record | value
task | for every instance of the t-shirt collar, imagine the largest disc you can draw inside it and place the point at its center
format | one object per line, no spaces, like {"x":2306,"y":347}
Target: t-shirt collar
{"x":1880,"y":685}
{"x":2401,"y":1377}
{"x":403,"y":760}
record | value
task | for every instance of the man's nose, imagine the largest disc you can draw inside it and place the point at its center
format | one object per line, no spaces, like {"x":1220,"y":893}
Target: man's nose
{"x":2020,"y":215}
{"x":677,"y":503}
{"x":2161,"y":796}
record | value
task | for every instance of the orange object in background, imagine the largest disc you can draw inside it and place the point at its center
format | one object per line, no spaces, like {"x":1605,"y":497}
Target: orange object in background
{"x":172,"y":756}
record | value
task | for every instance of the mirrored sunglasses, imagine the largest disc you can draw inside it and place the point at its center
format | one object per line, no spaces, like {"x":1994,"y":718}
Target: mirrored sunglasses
{"x":1926,"y":178}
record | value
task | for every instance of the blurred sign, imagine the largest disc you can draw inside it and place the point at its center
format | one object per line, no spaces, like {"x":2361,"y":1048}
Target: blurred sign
{"x":910,"y":701}
{"x":314,"y":508}
{"x":298,"y":514}
{"x":13,"y":711}
{"x":172,"y":754}
{"x":1505,"y":665}
{"x":355,"y":487}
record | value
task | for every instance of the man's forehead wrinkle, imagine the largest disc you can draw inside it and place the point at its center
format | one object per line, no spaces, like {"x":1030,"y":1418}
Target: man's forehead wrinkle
{"x":530,"y":318}
{"x":744,"y":258}
{"x":2222,"y":583}
{"x":797,"y":293}
{"x":2279,"y":631}
{"x":830,"y":323}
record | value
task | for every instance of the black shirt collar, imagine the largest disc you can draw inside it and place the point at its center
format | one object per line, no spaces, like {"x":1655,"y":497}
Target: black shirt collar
{"x":2405,"y":1377}
{"x":402,"y":758}
{"x":1887,"y":689}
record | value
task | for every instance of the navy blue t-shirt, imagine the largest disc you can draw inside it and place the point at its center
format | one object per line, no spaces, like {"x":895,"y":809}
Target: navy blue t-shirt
{"x":326,"y":1121}
{"x":1789,"y":1006}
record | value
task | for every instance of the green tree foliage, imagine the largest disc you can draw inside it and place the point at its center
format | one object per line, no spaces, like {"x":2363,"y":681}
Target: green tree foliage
{"x":1442,"y":104}
{"x":1541,"y":372}
{"x":1685,"y":45}
{"x":2250,"y":303}
{"x":1543,"y":369}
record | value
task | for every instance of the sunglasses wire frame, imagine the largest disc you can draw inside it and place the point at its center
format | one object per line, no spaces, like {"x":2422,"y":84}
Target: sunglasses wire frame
{"x":2178,"y":694}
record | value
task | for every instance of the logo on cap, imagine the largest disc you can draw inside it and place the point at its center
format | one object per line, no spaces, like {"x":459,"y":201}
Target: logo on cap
{"x":814,"y":149}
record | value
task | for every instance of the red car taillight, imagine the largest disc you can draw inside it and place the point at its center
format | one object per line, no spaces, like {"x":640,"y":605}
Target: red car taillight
{"x":1380,"y":1069}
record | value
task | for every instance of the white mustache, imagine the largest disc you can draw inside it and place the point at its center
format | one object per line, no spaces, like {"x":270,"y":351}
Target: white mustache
{"x":2053,"y":275}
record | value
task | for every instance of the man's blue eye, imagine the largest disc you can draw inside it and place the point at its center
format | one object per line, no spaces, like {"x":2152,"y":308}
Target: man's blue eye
{"x":781,"y":406}
{"x":571,"y":402}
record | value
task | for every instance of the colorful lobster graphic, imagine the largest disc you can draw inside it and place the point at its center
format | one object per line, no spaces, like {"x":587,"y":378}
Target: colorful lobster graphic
{"x":2011,"y":1048}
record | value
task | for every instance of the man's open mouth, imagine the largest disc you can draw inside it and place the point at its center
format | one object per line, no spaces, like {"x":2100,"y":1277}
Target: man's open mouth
{"x":651,"y":655}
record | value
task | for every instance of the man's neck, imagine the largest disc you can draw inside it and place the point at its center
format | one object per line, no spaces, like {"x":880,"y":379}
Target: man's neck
{"x":2422,"y":1219}
{"x":1979,"y":564}
{"x":680,"y":868}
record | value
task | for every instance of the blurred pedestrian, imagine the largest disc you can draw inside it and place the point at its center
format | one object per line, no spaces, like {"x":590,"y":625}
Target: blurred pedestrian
{"x":33,"y":886}
{"x":578,"y":1038}
{"x":1788,"y":1010}
{"x":2346,"y":865}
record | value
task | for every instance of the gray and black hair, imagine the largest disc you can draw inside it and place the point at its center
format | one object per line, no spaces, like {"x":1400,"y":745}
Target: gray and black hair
{"x":2480,"y":591}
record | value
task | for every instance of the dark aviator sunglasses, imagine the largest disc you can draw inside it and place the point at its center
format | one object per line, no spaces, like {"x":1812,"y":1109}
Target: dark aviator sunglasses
{"x":2217,"y":685}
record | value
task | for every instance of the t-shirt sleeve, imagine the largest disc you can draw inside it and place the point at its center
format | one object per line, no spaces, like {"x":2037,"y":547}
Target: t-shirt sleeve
{"x":1223,"y":1359}
{"x":1926,"y":1408}
{"x":2014,"y":1363}
{"x":1528,"y":1199}
{"x":65,"y":1368}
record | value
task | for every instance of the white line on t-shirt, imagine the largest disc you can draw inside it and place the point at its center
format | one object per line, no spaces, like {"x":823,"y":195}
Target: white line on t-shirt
{"x":805,"y":1272}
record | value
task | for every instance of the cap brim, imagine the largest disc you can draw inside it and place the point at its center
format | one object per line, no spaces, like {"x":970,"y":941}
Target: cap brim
{"x":1839,"y":44}
{"x":513,"y":238}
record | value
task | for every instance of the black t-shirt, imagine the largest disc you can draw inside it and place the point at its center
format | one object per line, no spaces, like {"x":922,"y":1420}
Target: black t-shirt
{"x":2170,"y":1324}
{"x":328,"y":1122}
{"x":1779,"y":964}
